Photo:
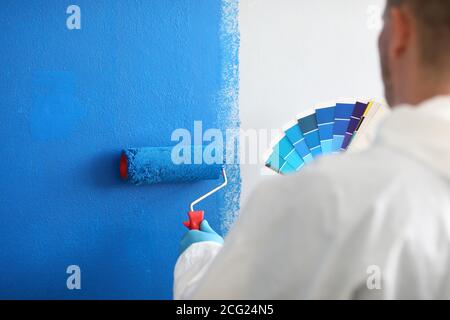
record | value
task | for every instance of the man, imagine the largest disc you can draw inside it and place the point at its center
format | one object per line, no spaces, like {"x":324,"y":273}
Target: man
{"x":374,"y":224}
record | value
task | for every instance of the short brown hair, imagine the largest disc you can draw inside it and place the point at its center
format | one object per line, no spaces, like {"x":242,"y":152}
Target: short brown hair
{"x":433,"y":18}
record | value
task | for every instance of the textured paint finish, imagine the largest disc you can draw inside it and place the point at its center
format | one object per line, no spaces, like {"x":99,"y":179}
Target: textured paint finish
{"x":158,"y":165}
{"x":70,"y":101}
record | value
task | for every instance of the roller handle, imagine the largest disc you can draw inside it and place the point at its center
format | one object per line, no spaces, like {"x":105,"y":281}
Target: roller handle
{"x":195,"y":219}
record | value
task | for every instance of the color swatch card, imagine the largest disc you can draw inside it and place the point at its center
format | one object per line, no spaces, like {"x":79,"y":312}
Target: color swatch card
{"x":295,"y":136}
{"x":325,"y":123}
{"x":285,"y":159}
{"x":328,"y":128}
{"x":365,"y":132}
{"x":287,"y":151}
{"x":308,"y":126}
{"x":342,"y":115}
{"x":355,"y":119}
{"x":276,"y":162}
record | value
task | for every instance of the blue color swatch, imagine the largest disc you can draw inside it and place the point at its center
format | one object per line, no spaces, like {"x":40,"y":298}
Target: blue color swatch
{"x":287,"y":151}
{"x":325,"y":123}
{"x":308,"y":126}
{"x":295,"y":136}
{"x":278,"y":163}
{"x":342,"y":115}
{"x":330,"y":128}
{"x":355,"y":119}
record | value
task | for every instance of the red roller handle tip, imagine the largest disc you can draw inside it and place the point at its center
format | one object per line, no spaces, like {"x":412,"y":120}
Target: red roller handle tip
{"x":195,"y":219}
{"x":123,"y":167}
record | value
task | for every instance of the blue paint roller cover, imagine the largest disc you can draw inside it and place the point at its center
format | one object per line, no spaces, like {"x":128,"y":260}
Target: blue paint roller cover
{"x":152,"y":165}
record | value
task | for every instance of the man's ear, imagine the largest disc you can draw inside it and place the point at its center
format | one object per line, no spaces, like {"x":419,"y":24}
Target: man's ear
{"x":401,"y":24}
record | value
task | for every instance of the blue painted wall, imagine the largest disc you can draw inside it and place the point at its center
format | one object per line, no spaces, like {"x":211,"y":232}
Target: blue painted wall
{"x":70,"y":101}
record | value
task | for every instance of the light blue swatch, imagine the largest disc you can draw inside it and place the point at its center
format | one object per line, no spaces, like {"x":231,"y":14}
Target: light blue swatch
{"x":287,"y":151}
{"x":295,"y":136}
{"x":275,"y":161}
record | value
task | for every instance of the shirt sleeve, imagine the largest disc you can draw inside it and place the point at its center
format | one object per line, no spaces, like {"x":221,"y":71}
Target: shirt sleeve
{"x":191,"y":266}
{"x":272,"y":240}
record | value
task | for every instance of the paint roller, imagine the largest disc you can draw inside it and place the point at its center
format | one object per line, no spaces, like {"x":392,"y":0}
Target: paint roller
{"x":152,"y":165}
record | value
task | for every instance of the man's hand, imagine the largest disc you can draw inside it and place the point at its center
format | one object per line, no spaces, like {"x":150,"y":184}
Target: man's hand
{"x":206,"y":233}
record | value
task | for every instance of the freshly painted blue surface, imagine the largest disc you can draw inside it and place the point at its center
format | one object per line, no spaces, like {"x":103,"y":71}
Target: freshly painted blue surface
{"x":70,"y":101}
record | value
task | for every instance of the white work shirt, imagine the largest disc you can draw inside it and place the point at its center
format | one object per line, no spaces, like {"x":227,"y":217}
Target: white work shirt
{"x":372,"y":224}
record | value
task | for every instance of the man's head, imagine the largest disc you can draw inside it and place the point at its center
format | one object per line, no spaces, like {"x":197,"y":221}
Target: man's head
{"x":414,"y":50}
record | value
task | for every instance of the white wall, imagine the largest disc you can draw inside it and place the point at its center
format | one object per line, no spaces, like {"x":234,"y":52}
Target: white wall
{"x":296,"y":53}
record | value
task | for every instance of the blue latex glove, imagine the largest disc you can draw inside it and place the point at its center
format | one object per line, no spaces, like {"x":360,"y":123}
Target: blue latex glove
{"x":206,"y":233}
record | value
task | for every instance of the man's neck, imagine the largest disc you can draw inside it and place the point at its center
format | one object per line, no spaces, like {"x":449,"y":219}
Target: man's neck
{"x":441,"y":90}
{"x":425,"y":88}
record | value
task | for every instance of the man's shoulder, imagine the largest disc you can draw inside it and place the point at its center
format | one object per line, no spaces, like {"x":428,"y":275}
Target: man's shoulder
{"x":346,"y":180}
{"x":376,"y":166}
{"x":371,"y":167}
